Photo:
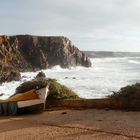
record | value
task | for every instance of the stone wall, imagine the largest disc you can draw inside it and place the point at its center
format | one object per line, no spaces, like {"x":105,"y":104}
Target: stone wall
{"x":92,"y":103}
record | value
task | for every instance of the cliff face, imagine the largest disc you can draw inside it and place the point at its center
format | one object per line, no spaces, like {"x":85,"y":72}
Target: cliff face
{"x":26,"y":53}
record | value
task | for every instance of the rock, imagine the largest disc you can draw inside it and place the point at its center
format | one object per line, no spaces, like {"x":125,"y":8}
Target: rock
{"x":31,"y":53}
{"x":24,"y":76}
{"x":8,"y":73}
{"x":73,"y":77}
{"x":40,"y":74}
{"x":63,"y":113}
{"x":1,"y":94}
{"x":26,"y":52}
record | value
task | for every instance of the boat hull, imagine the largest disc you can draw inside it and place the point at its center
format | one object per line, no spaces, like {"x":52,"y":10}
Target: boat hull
{"x":28,"y":102}
{"x":38,"y":108}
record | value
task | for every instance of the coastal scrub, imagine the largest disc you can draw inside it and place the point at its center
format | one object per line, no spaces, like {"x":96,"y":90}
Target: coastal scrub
{"x":130,"y":94}
{"x":56,"y":90}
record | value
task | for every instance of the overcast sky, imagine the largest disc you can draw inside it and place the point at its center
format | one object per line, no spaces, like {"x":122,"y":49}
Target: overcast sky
{"x":90,"y":24}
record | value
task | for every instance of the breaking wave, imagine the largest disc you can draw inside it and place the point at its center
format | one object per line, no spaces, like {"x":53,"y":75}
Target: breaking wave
{"x":134,"y":62}
{"x":105,"y":75}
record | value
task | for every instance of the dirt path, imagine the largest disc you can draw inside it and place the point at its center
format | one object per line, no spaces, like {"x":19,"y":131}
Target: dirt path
{"x":89,"y":124}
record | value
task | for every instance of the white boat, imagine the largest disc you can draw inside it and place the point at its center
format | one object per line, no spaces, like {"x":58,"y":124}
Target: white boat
{"x":30,"y":101}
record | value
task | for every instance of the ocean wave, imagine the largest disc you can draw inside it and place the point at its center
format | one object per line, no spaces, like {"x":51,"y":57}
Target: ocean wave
{"x":105,"y":75}
{"x":111,"y":59}
{"x":58,"y":68}
{"x":134,"y":62}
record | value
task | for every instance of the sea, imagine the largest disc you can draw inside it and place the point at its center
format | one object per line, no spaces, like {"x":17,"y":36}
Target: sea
{"x":106,"y":75}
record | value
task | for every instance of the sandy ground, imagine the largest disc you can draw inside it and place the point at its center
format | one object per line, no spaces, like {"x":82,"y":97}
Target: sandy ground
{"x":88,"y":124}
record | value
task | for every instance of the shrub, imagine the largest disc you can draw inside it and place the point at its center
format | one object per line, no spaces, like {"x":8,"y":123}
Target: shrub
{"x":130,"y":95}
{"x":36,"y":83}
{"x":56,"y":90}
{"x":128,"y":92}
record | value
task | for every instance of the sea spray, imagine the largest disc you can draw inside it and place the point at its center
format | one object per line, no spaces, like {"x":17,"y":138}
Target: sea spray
{"x":105,"y":75}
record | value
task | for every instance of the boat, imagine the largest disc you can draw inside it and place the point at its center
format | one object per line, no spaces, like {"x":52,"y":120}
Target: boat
{"x":31,"y":101}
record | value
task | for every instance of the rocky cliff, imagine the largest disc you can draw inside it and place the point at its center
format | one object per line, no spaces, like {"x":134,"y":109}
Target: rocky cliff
{"x":27,"y":53}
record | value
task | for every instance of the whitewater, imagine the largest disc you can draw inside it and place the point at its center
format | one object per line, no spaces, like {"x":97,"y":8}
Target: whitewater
{"x":105,"y":75}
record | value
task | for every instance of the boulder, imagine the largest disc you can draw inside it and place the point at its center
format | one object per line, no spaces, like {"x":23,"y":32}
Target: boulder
{"x":40,"y":74}
{"x":8,"y":73}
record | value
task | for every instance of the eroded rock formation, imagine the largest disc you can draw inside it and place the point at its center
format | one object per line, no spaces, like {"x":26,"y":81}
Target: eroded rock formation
{"x":28,"y":53}
{"x":8,"y":73}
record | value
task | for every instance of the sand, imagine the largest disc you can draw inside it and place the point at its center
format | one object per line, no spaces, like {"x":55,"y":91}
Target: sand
{"x":88,"y":124}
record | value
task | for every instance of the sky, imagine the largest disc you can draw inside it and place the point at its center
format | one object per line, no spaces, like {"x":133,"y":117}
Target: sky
{"x":103,"y":25}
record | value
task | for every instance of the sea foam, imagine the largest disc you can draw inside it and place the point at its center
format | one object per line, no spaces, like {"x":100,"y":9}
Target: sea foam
{"x":105,"y":75}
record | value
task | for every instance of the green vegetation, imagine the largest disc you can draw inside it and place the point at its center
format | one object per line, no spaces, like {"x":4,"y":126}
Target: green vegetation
{"x":56,"y":90}
{"x":36,"y":83}
{"x":130,"y":96}
{"x":128,"y":92}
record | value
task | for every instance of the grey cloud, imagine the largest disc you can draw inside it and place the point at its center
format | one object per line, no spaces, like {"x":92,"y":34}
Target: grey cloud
{"x":91,"y":24}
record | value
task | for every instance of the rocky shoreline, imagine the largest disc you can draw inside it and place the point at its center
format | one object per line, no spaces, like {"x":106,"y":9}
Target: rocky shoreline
{"x":30,"y":53}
